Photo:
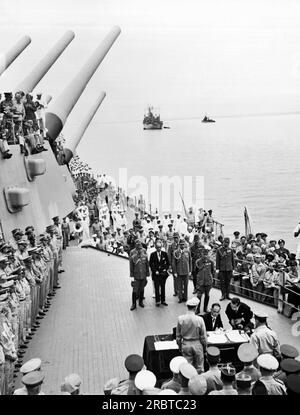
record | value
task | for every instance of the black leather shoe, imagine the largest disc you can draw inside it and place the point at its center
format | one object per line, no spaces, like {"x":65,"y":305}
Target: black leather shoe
{"x":180,"y":301}
{"x":141,"y":305}
{"x":157,"y":304}
{"x":228,"y":297}
{"x":133,"y":307}
{"x":175,"y":295}
{"x":164,"y":303}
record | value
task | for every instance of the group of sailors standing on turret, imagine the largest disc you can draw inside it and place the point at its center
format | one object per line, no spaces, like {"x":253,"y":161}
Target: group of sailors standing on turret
{"x":22,"y":121}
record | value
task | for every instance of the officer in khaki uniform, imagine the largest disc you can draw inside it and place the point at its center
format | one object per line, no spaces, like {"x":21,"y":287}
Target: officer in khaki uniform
{"x":268,"y":365}
{"x":8,"y":346}
{"x":139,"y":271}
{"x":182,"y":269}
{"x":191,"y":336}
{"x":173,"y":247}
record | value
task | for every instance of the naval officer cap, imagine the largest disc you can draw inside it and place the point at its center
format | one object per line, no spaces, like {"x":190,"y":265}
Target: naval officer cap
{"x":293,"y":384}
{"x":134,"y":363}
{"x":176,"y":235}
{"x":261,"y":315}
{"x":247,"y":353}
{"x":31,"y":365}
{"x":187,"y":370}
{"x":268,"y":362}
{"x":33,"y":379}
{"x":243,"y":380}
{"x":289,"y":351}
{"x":193,"y":302}
{"x":176,"y":362}
{"x":290,"y":365}
{"x":145,"y":379}
{"x":197,"y":385}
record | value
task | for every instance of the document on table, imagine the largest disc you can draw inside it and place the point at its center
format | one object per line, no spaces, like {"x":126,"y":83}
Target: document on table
{"x":166,"y":345}
{"x":215,"y":338}
{"x":235,"y":336}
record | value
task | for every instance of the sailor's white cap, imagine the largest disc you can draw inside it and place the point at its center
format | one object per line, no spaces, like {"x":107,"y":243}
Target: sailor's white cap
{"x":176,"y":362}
{"x":145,"y":379}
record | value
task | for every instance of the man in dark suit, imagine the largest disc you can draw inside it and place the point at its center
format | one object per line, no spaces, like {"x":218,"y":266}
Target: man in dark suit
{"x":225,"y":265}
{"x":212,"y":319}
{"x":239,"y":314}
{"x":159,"y":264}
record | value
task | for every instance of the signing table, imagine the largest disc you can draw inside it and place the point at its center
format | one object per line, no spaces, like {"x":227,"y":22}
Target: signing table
{"x":160,"y":349}
{"x":228,"y":342}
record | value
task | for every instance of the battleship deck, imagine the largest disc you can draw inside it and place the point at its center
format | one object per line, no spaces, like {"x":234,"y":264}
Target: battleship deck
{"x":90,"y":330}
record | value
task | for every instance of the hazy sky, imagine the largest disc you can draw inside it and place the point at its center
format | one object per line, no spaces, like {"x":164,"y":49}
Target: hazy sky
{"x":184,"y":56}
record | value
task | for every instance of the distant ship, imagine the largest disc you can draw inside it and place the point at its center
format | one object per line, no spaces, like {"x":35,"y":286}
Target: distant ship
{"x":207,"y":119}
{"x":152,"y":120}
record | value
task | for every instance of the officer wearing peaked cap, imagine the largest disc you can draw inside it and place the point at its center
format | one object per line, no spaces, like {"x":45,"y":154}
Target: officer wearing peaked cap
{"x":247,"y":354}
{"x":133,"y":364}
{"x":33,"y":382}
{"x":268,"y":365}
{"x":28,"y":367}
{"x":228,"y":373}
{"x":186,"y":372}
{"x":263,"y":338}
{"x":174,"y":383}
{"x":288,"y":367}
{"x":288,"y":351}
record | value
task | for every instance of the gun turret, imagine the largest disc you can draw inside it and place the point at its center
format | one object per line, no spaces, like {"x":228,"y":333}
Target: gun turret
{"x":34,"y":77}
{"x":61,"y":107}
{"x":8,"y":58}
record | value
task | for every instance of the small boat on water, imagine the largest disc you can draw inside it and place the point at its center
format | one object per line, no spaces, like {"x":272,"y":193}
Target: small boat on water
{"x":207,"y":119}
{"x":152,"y":120}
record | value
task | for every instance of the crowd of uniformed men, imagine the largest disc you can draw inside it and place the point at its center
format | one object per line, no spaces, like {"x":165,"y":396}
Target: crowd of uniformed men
{"x":22,"y":121}
{"x":258,"y":374}
{"x":29,"y":268}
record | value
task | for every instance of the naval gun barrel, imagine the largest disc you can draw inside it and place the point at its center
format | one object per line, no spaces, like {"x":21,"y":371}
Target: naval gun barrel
{"x":73,"y":141}
{"x":8,"y":57}
{"x":61,"y":107}
{"x":34,"y":77}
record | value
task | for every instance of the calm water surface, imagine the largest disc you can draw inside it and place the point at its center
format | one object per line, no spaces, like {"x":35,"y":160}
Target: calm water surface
{"x":250,"y":161}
